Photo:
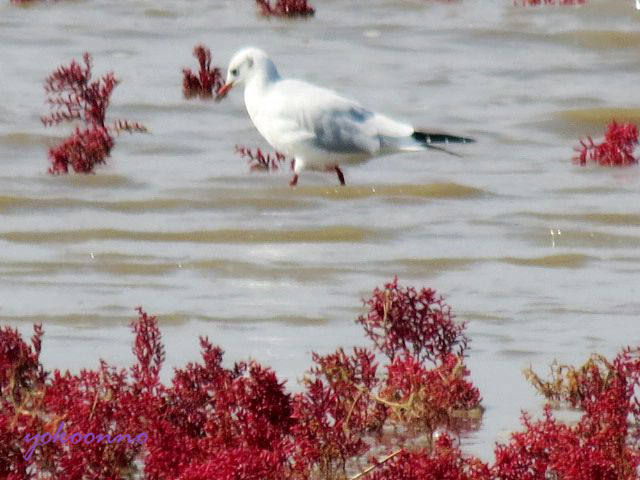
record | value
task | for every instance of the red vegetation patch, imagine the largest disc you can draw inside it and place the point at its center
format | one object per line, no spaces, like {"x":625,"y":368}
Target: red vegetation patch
{"x":617,"y":149}
{"x":259,"y":161}
{"x":444,"y":461}
{"x":82,"y":151}
{"x":601,"y":446}
{"x":408,"y":321}
{"x":286,"y":8}
{"x":22,"y":380}
{"x":230,"y":422}
{"x":74,"y":97}
{"x":336,"y":413}
{"x":536,"y":3}
{"x":207,"y":81}
{"x":429,"y":399}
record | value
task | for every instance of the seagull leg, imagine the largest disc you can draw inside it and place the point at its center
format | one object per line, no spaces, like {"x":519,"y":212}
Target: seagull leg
{"x":340,"y":175}
{"x":294,"y":180}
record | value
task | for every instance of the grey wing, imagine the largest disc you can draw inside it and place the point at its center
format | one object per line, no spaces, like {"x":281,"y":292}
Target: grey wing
{"x":344,"y":129}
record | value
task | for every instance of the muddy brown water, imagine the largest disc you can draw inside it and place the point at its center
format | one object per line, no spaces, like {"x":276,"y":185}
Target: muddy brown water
{"x":539,"y":256}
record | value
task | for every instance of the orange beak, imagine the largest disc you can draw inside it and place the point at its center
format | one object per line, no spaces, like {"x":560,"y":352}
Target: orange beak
{"x":224,"y":90}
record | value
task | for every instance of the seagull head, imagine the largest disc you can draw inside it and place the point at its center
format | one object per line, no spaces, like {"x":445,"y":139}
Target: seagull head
{"x":245,"y":66}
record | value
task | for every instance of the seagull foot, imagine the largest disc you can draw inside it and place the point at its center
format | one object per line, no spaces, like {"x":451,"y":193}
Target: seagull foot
{"x":294,"y":181}
{"x":340,"y":176}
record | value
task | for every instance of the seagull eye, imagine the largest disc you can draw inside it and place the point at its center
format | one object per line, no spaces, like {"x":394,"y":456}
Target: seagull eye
{"x":234,"y":72}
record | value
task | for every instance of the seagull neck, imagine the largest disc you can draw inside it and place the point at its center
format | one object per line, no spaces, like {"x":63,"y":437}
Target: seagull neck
{"x":266,"y":76}
{"x":256,"y":88}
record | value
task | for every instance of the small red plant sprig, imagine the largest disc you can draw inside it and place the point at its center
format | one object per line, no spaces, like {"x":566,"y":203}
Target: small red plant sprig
{"x":536,"y":3}
{"x":74,"y":97}
{"x":149,"y":351}
{"x":286,"y":8}
{"x":420,"y":323}
{"x":617,"y":149}
{"x":82,"y":151}
{"x":207,"y":81}
{"x":20,"y":2}
{"x":259,"y":161}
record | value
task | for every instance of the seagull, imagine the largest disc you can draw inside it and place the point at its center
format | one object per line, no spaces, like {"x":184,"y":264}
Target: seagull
{"x":320,"y":129}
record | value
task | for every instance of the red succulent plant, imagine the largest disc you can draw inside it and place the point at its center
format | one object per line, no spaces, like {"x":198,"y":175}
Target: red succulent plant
{"x":444,"y":461}
{"x":617,"y":149}
{"x":73,"y":96}
{"x":409,"y":321}
{"x":429,"y":399}
{"x":213,"y":421}
{"x":599,"y":446}
{"x":336,"y":413}
{"x":207,"y":82}
{"x":535,"y":3}
{"x":286,"y":8}
{"x":259,"y":161}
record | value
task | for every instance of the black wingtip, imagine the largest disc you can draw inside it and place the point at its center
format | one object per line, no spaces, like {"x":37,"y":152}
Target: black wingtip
{"x":430,"y":138}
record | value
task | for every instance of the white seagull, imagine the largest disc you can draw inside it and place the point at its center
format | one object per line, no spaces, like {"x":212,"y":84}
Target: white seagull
{"x":319,"y":128}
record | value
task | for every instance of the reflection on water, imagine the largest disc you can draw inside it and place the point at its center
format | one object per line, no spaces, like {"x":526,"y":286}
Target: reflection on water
{"x":539,"y":256}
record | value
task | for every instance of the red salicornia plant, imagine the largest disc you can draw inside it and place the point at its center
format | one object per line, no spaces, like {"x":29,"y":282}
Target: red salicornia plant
{"x":21,"y":2}
{"x":535,"y":3}
{"x":227,"y":422}
{"x":617,"y":149}
{"x":336,"y":413}
{"x":286,"y":8}
{"x":443,"y":461}
{"x":416,"y":322}
{"x":73,"y":96}
{"x":603,"y":444}
{"x":259,"y":161}
{"x":207,"y":81}
{"x":424,"y":387}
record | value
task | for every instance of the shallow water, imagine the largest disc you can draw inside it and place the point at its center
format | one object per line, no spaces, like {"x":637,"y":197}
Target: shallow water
{"x":539,"y":256}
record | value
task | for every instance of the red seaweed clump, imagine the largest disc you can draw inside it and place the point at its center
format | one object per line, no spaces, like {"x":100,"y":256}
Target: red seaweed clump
{"x":82,"y":151}
{"x":207,"y":81}
{"x":286,"y":8}
{"x":22,"y":2}
{"x":408,"y":321}
{"x":73,"y":96}
{"x":617,"y":149}
{"x":443,"y":461}
{"x":239,"y":421}
{"x":257,"y":160}
{"x":602,"y":445}
{"x":536,"y":3}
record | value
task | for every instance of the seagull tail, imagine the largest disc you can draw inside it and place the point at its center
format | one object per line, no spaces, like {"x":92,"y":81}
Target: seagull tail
{"x":420,"y":140}
{"x":396,"y":136}
{"x":438,"y":137}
